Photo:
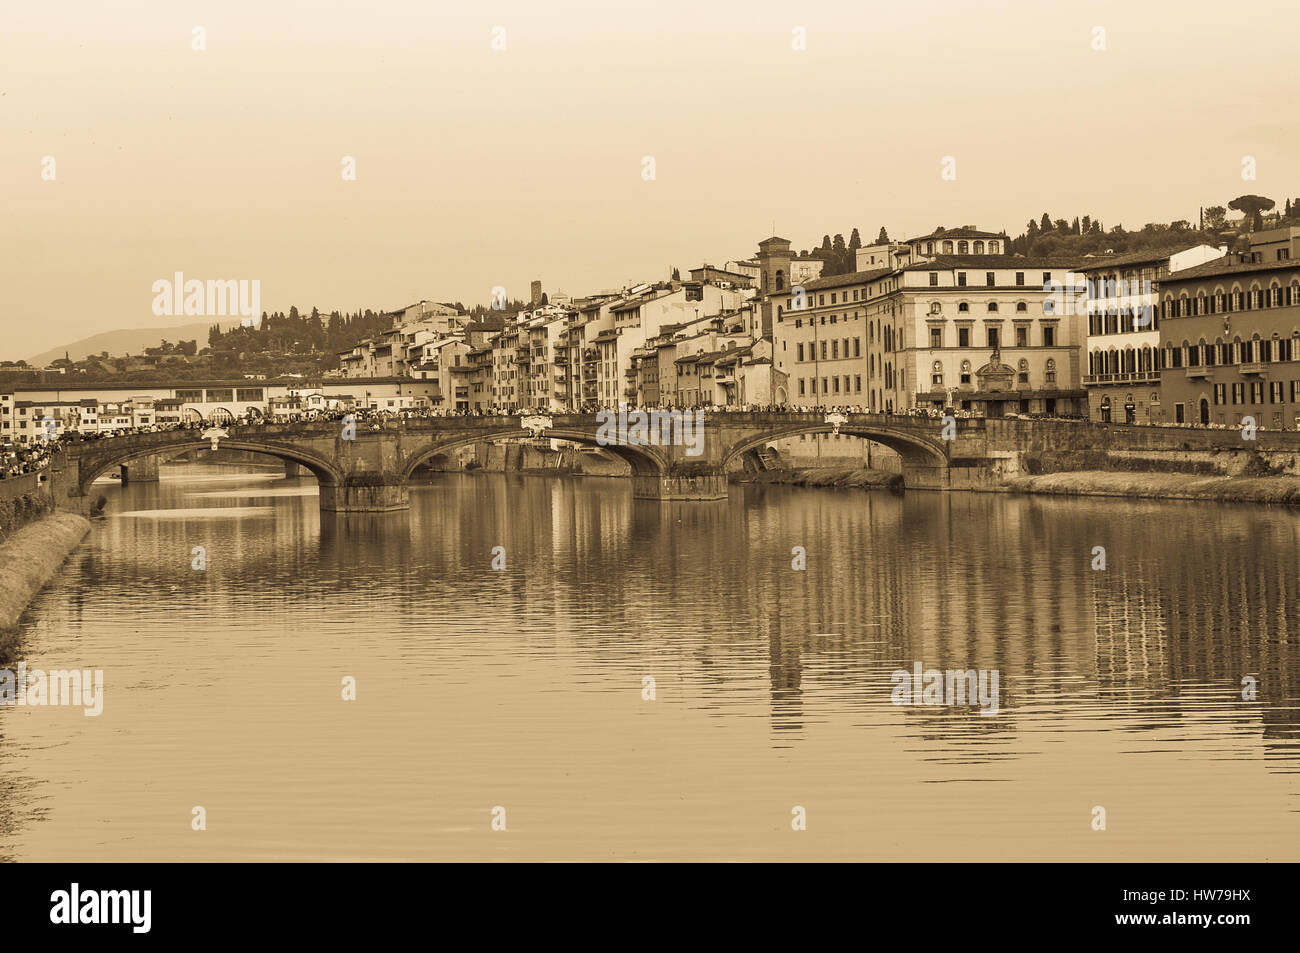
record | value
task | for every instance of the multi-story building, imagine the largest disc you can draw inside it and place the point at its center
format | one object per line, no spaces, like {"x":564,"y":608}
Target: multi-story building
{"x":979,"y":334}
{"x":1122,"y":376}
{"x":1275,"y":244}
{"x":821,"y":338}
{"x":1230,"y":340}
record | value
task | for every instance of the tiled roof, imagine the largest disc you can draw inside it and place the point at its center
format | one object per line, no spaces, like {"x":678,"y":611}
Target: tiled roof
{"x":837,"y":281}
{"x":1222,"y":266}
{"x":1146,"y":255}
{"x":976,"y":262}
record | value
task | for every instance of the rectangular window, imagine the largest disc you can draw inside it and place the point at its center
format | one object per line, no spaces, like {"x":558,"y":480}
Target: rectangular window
{"x":961,"y":279}
{"x":936,"y":337}
{"x":857,"y":347}
{"x":835,"y":350}
{"x":1020,"y":278}
{"x":857,"y":383}
{"x":250,"y":394}
{"x":963,"y":337}
{"x":1047,"y":278}
{"x":1022,"y":337}
{"x":993,"y":337}
{"x":1049,"y":336}
{"x":801,"y":383}
{"x":800,"y":357}
{"x":219,"y":395}
{"x":190,"y":396}
{"x":934,"y":279}
{"x":823,"y":350}
{"x":989,"y":279}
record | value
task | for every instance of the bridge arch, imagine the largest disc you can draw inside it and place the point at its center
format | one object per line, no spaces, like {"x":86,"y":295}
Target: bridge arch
{"x":94,"y":465}
{"x":914,"y":449}
{"x":644,"y":461}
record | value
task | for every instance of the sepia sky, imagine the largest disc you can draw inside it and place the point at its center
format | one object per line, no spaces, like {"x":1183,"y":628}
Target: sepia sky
{"x":478,"y":168}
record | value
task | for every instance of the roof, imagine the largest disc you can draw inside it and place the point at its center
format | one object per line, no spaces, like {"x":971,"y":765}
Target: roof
{"x":1222,"y":266}
{"x":1142,"y":257}
{"x":963,"y":232}
{"x":836,"y":281}
{"x":975,"y":262}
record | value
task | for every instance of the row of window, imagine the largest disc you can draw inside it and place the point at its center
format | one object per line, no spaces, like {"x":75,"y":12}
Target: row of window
{"x":993,"y":337}
{"x":1227,"y":302}
{"x":830,"y":385}
{"x":1255,"y":351}
{"x":1277,"y":391}
{"x":1022,"y":373}
{"x":834,"y":352}
{"x":990,"y":279}
{"x":962,"y":247}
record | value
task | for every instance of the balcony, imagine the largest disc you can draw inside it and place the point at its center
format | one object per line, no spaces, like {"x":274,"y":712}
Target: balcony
{"x":1198,"y":372}
{"x":1254,"y":367}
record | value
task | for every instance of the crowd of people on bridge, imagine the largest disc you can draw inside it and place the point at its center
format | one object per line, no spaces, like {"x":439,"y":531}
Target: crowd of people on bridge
{"x":23,"y":458}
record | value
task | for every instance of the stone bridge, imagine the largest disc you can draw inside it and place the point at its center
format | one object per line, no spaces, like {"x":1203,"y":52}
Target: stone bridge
{"x":366,"y":468}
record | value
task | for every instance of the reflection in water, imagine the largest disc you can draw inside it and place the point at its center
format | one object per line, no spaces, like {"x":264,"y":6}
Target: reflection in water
{"x":523,"y":687}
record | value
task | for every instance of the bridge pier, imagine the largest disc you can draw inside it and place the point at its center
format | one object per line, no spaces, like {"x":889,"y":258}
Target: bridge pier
{"x":364,"y":497}
{"x":706,"y":485}
{"x":926,"y":476}
{"x":140,"y":470}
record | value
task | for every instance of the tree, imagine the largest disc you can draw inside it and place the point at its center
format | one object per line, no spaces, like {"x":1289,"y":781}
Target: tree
{"x":677,"y":275}
{"x":1046,"y":224}
{"x":1252,"y":206}
{"x":855,"y":241}
{"x":883,"y":237}
{"x":1214,"y":218}
{"x":545,"y":300}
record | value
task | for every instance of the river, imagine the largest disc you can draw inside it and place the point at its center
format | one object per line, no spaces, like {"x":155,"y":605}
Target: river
{"x":526,"y":688}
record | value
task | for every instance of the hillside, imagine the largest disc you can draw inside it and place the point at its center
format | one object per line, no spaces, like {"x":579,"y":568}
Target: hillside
{"x":127,"y":341}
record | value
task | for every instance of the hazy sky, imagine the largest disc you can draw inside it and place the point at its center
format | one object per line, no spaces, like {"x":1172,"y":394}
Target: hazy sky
{"x":478,"y":168}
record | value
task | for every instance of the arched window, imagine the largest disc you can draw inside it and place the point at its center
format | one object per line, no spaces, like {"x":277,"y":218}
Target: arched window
{"x":929,"y":248}
{"x":993,"y":307}
{"x":1275,"y":295}
{"x":936,"y":374}
{"x":1022,"y":371}
{"x":780,"y":280}
{"x":963,"y":248}
{"x":965,"y":372}
{"x":993,"y":248}
{"x":1050,"y":374}
{"x":963,"y":306}
{"x":947,"y":248}
{"x":979,"y":248}
{"x":1218,"y":302}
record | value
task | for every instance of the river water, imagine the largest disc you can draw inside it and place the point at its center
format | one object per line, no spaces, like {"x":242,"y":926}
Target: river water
{"x":525,"y":688}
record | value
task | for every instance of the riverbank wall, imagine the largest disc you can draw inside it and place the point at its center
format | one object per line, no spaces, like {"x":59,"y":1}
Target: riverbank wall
{"x":24,"y":499}
{"x":29,"y":558}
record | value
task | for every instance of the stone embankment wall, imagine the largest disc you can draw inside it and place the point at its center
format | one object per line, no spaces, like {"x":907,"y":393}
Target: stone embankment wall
{"x":30,"y":557}
{"x":22,"y":500}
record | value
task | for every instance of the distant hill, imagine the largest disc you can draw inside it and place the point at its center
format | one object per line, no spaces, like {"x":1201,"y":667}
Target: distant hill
{"x":130,"y":341}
